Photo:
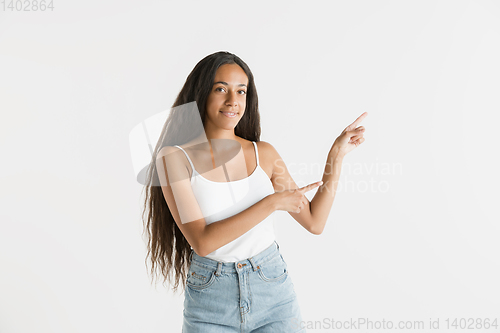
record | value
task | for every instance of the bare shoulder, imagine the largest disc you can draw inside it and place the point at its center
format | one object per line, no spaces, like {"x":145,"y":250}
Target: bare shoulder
{"x":173,"y":159}
{"x":165,"y":150}
{"x":266,"y":148}
{"x":268,"y":156}
{"x":168,"y":152}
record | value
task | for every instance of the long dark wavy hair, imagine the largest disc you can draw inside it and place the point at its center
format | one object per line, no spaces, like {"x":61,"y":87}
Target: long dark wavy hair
{"x":167,"y":247}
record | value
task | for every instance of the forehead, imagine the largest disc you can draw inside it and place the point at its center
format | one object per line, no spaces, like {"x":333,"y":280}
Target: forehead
{"x":231,"y":73}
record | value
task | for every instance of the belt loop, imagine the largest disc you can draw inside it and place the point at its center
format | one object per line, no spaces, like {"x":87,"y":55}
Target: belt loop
{"x":255,"y":267}
{"x":191,"y":255}
{"x":277,"y":245}
{"x":219,"y":268}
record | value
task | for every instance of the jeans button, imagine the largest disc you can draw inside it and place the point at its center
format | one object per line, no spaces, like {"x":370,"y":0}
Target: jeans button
{"x":240,"y":265}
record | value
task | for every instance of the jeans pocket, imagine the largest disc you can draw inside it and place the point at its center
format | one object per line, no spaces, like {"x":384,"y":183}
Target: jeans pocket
{"x":200,"y":277}
{"x":273,"y":270}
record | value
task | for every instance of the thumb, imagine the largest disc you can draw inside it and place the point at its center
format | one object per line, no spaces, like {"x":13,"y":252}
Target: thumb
{"x":310,"y":186}
{"x":355,"y":132}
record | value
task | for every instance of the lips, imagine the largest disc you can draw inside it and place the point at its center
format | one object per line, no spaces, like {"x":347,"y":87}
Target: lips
{"x":229,"y":114}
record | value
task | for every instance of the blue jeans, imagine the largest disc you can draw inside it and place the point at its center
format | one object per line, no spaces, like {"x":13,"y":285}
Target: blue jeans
{"x":250,"y":295}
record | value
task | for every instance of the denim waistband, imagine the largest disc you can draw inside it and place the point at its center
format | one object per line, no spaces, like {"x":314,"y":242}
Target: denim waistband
{"x":252,"y":263}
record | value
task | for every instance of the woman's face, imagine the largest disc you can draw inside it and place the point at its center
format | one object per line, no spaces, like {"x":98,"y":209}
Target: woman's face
{"x":228,"y":94}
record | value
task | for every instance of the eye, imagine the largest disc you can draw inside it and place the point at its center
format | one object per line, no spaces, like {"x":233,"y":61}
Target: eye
{"x":222,"y":89}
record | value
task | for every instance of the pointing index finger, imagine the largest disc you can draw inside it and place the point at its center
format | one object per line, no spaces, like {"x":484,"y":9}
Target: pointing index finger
{"x":311,"y":186}
{"x":358,"y":120}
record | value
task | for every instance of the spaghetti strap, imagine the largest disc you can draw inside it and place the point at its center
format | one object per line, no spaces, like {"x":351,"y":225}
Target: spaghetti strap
{"x":194,"y":170}
{"x":192,"y":166}
{"x":256,"y":152}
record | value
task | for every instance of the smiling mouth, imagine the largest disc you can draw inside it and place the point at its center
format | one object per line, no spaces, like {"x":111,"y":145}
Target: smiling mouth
{"x":229,"y":114}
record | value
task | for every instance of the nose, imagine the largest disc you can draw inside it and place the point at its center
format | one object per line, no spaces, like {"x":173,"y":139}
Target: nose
{"x":232,"y":100}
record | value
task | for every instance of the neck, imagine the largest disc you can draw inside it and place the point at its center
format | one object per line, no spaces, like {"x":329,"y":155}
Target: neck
{"x":209,"y":138}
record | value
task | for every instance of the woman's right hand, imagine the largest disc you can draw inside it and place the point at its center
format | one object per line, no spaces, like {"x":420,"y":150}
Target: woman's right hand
{"x":293,"y":200}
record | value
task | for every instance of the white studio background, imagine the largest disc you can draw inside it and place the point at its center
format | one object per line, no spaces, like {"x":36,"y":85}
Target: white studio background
{"x":413,"y":232}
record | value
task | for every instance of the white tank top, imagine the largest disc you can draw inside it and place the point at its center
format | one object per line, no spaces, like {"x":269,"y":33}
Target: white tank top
{"x":220,"y":200}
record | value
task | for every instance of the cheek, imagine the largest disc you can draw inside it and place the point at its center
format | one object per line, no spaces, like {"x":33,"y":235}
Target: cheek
{"x":243,"y":101}
{"x":211,"y":103}
{"x":216,"y":98}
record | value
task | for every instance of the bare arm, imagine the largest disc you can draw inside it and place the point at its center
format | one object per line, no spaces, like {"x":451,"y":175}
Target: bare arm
{"x":282,"y":181}
{"x":315,"y":213}
{"x":350,"y":138}
{"x":222,"y":232}
{"x":322,"y":202}
{"x":176,"y":187}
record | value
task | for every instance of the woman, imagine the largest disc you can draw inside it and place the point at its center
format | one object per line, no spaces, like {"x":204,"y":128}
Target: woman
{"x":212,"y":189}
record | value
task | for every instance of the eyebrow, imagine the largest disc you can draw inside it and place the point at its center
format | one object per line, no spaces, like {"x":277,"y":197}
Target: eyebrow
{"x":225,"y":83}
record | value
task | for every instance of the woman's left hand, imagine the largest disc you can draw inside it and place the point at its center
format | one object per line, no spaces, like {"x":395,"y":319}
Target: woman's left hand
{"x":350,"y":138}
